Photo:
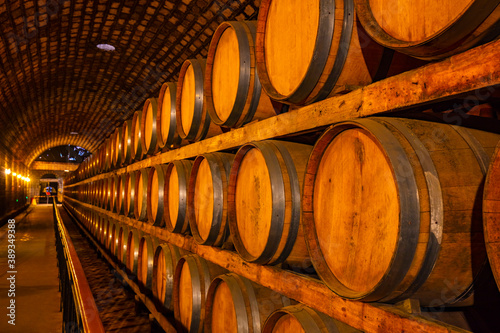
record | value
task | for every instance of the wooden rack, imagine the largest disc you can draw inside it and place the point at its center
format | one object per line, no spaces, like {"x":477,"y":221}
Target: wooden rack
{"x":472,"y":75}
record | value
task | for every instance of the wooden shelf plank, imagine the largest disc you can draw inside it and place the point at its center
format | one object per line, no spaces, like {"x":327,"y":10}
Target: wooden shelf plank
{"x":472,"y":73}
{"x":368,"y":317}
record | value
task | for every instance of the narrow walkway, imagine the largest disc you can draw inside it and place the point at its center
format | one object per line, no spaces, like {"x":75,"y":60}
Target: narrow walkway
{"x":116,"y":304}
{"x":37,"y":294}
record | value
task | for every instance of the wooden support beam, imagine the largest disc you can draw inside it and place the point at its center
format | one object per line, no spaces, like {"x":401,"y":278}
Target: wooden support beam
{"x":471,"y":75}
{"x":53,"y":166}
{"x":368,"y":317}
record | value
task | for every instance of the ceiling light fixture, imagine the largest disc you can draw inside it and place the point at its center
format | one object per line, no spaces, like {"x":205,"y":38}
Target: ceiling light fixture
{"x":105,"y":47}
{"x":73,"y":133}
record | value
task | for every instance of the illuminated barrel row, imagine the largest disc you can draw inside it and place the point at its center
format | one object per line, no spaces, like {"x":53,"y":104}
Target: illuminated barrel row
{"x":350,"y":193}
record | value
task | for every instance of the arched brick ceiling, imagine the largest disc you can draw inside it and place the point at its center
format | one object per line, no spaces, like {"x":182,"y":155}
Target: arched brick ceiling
{"x":54,"y":80}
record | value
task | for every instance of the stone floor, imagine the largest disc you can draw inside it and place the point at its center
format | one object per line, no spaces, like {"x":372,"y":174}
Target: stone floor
{"x":37,"y":294}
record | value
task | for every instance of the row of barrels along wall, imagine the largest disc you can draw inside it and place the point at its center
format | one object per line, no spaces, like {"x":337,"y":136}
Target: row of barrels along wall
{"x":203,"y":296}
{"x":352,"y":193}
{"x":358,"y":289}
{"x":292,"y":66}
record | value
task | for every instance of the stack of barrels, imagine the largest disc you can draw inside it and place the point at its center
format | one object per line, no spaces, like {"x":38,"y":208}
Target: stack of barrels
{"x":383,"y":208}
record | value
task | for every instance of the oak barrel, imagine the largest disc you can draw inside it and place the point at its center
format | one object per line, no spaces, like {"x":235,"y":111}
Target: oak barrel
{"x":156,"y":194}
{"x":103,"y":231}
{"x":133,"y":240}
{"x":232,"y":88}
{"x":148,"y":126}
{"x":193,"y":120}
{"x":302,"y":319}
{"x":127,"y":142}
{"x":145,"y":261}
{"x":175,"y":204}
{"x":265,"y":184}
{"x":113,"y":237}
{"x":129,"y":199}
{"x":141,"y":194}
{"x":117,"y":156}
{"x":104,"y":193}
{"x":236,"y":304}
{"x":122,"y":242}
{"x":110,"y":241}
{"x":165,"y":260}
{"x":113,"y":188}
{"x":430,"y":30}
{"x":191,"y":282}
{"x":491,"y":214}
{"x":107,"y":160}
{"x":327,"y":51}
{"x":391,"y":209}
{"x":137,"y":150}
{"x":120,"y":193}
{"x":207,"y":198}
{"x":166,"y":124}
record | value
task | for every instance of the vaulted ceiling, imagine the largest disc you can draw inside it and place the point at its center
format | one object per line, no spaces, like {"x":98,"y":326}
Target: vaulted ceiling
{"x":55,"y":81}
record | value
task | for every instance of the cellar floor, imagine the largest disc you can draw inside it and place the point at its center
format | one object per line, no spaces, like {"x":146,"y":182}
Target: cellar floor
{"x":37,"y":294}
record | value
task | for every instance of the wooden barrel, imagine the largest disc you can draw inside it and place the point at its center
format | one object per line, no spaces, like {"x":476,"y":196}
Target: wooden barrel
{"x":120,"y":193}
{"x":104,"y":193}
{"x":430,"y":31}
{"x":193,"y":120}
{"x":148,"y":126}
{"x":326,"y":53}
{"x":133,"y":240}
{"x":191,"y":282}
{"x":166,"y":122}
{"x":264,"y":202}
{"x":122,"y":242}
{"x":136,"y":145}
{"x":156,"y":194}
{"x":114,"y":193}
{"x":112,"y":150}
{"x":103,"y":236}
{"x":110,"y":237}
{"x":176,"y":182}
{"x":491,"y":214}
{"x":390,"y":209}
{"x":235,"y":304}
{"x":102,"y":158}
{"x":126,"y":142}
{"x":165,"y":260}
{"x":141,"y":194}
{"x":129,"y":198}
{"x":207,"y":198}
{"x":232,"y":88}
{"x":117,"y":156}
{"x":302,"y":319}
{"x":113,"y":237}
{"x":145,"y":261}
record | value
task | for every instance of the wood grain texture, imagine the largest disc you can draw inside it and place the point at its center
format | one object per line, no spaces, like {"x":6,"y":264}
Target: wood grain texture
{"x":232,"y":88}
{"x":264,"y":202}
{"x":429,"y":29}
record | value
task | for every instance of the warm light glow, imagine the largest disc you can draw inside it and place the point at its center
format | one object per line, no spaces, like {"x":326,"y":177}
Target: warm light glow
{"x":106,"y":47}
{"x":28,"y":180}
{"x":66,"y":170}
{"x":7,"y":171}
{"x":14,"y":174}
{"x":19,"y":175}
